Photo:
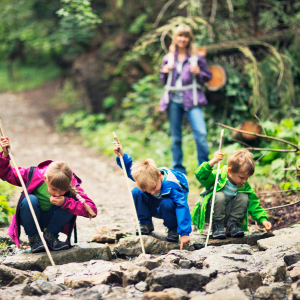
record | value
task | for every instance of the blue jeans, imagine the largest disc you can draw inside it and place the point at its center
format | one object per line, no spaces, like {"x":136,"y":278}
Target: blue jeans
{"x":148,"y":206}
{"x":54,"y":219}
{"x":197,"y":123}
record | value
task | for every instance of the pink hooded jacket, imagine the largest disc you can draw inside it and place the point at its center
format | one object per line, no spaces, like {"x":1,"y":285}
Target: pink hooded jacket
{"x":7,"y":173}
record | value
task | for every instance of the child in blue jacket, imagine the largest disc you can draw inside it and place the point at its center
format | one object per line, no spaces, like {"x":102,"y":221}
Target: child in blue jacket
{"x":161,"y":193}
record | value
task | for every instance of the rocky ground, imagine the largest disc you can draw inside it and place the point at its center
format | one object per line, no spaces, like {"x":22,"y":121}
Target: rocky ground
{"x":260,"y":266}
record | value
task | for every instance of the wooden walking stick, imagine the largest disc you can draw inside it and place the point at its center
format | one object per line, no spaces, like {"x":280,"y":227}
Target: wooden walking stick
{"x":214,"y":192}
{"x":129,"y":190}
{"x":28,"y":199}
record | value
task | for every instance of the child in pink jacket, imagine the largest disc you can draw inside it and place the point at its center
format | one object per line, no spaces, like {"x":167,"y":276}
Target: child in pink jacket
{"x":56,"y":197}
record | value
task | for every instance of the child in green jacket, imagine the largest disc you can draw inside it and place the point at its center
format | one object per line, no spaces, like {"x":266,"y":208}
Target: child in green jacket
{"x":234,"y":197}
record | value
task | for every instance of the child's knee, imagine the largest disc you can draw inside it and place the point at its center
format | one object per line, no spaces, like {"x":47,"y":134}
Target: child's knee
{"x":168,"y":204}
{"x":33,"y":199}
{"x":243,"y":198}
{"x":136,"y":193}
{"x":220,"y":198}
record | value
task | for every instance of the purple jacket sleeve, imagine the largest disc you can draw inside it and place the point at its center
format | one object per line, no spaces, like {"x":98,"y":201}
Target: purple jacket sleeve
{"x":75,"y":207}
{"x":9,"y":174}
{"x":205,"y":74}
{"x":164,"y":76}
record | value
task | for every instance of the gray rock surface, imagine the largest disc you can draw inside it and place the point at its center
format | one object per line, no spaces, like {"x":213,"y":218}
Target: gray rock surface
{"x":40,"y":261}
{"x":188,"y":280}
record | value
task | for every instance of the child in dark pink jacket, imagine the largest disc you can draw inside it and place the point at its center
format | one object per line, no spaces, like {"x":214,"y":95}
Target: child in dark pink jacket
{"x":56,"y":197}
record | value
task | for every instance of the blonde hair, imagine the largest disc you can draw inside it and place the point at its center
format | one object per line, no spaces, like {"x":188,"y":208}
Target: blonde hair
{"x":241,"y":161}
{"x":59,"y":175}
{"x":145,"y":174}
{"x":186,"y":30}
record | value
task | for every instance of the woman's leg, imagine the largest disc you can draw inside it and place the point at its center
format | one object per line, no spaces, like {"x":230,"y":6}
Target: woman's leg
{"x":175,"y":113}
{"x":196,"y":119}
{"x":26,"y":217}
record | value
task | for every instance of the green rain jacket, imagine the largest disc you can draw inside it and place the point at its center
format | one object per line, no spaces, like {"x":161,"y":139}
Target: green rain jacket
{"x":206,"y":176}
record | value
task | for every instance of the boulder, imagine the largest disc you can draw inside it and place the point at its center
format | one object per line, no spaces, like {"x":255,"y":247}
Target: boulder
{"x":141,"y":286}
{"x":15,"y":291}
{"x":131,"y":246}
{"x":291,"y":240}
{"x":270,"y":293}
{"x":230,"y":294}
{"x":108,"y":234}
{"x":77,"y":282}
{"x":149,"y":261}
{"x":40,"y":261}
{"x":10,"y":276}
{"x":93,"y":267}
{"x":241,"y":280}
{"x":295,"y":273}
{"x":167,"y":294}
{"x":274,"y":272}
{"x":87,"y":294}
{"x":159,"y":279}
{"x":41,"y":287}
{"x":291,"y":259}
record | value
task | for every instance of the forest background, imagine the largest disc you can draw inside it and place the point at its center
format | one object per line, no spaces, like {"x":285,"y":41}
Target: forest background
{"x":108,"y":54}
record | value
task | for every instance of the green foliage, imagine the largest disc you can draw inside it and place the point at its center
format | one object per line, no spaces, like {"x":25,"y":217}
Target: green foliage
{"x":26,"y":77}
{"x":6,"y":191}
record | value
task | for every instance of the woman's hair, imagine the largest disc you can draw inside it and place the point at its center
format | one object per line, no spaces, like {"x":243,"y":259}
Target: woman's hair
{"x":145,"y":174}
{"x":59,"y":175}
{"x":241,"y":161}
{"x":187,"y":31}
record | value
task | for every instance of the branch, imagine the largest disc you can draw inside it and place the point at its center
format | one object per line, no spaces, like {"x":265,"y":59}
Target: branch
{"x":270,"y":208}
{"x":161,"y":13}
{"x":273,"y":192}
{"x":264,"y":136}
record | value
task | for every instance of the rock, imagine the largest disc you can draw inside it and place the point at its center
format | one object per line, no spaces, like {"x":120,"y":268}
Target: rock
{"x":226,"y":263}
{"x":288,"y":230}
{"x":108,"y":234}
{"x":130,"y":246}
{"x":274,"y":272}
{"x":149,"y":261}
{"x":76,"y":282}
{"x":291,"y":258}
{"x":296,"y":290}
{"x":93,"y":267}
{"x":15,"y":291}
{"x":10,"y":276}
{"x":41,"y":287}
{"x":295,"y":273}
{"x":291,"y":240}
{"x":102,"y":289}
{"x":85,"y":294}
{"x":222,"y":282}
{"x":185,"y":264}
{"x":235,"y":280}
{"x":250,"y":239}
{"x":39,"y":261}
{"x":168,"y":265}
{"x":159,"y":279}
{"x":270,"y":293}
{"x":141,"y":286}
{"x":129,"y":273}
{"x":167,"y":294}
{"x":230,"y":294}
{"x":252,"y":280}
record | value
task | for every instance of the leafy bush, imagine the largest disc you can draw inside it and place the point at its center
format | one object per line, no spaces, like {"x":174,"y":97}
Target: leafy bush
{"x":6,"y":191}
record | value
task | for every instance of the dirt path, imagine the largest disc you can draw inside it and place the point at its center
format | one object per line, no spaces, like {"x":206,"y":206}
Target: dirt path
{"x":28,"y":121}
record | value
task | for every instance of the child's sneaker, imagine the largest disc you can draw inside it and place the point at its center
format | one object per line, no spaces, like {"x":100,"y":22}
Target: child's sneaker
{"x":36,"y":243}
{"x":54,"y":243}
{"x":172,"y":236}
{"x":234,"y":229}
{"x":146,"y":229}
{"x":218,"y":230}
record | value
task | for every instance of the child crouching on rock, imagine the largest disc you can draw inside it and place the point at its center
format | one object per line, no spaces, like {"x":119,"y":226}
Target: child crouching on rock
{"x":161,"y":193}
{"x":55,"y":193}
{"x":234,"y":198}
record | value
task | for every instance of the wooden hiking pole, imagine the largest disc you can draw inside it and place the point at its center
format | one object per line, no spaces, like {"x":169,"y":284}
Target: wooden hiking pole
{"x":28,"y":199}
{"x":129,"y":190}
{"x":214,"y":192}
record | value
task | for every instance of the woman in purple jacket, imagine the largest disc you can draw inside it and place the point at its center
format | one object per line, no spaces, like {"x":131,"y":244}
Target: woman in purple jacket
{"x":181,"y":72}
{"x":56,"y":197}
